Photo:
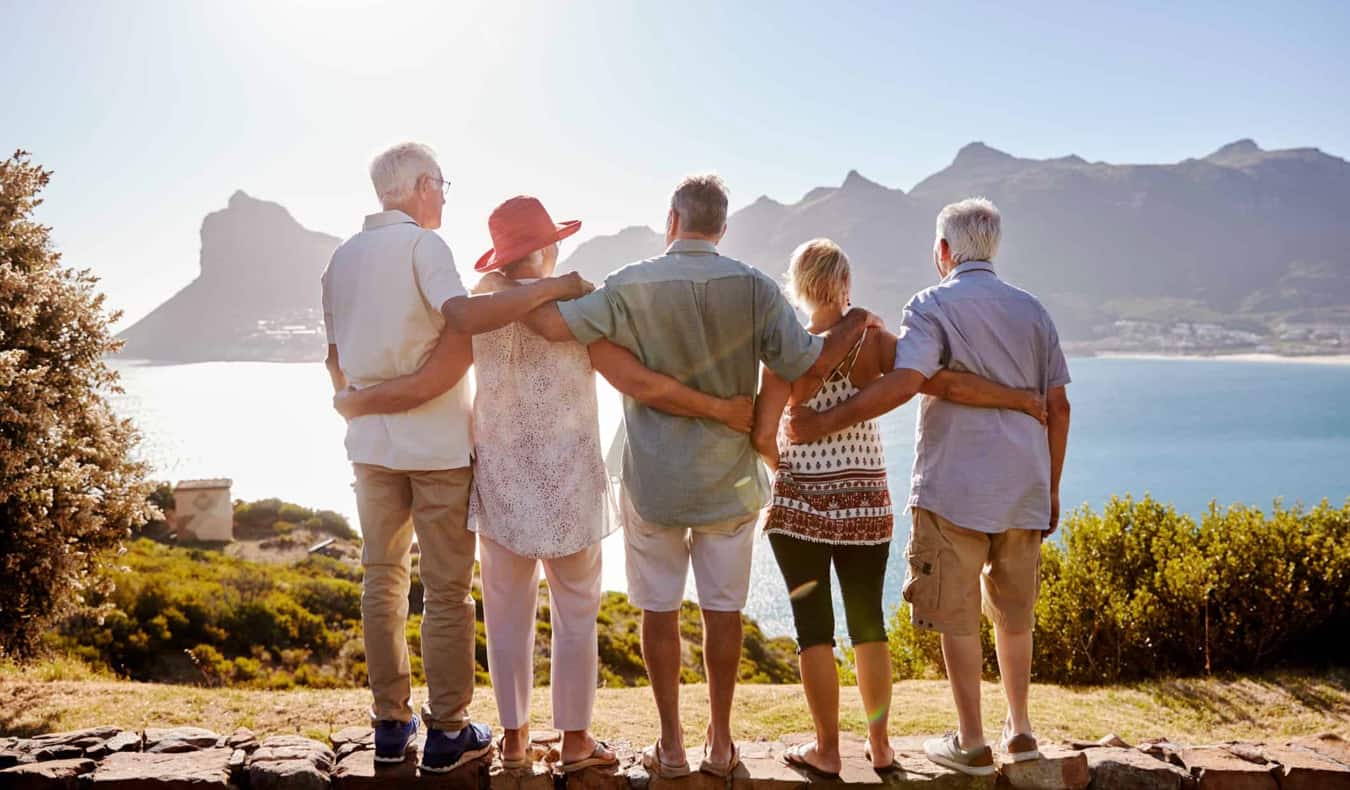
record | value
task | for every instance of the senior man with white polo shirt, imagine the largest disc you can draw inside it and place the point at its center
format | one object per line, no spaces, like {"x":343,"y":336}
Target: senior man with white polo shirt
{"x":392,"y":297}
{"x":985,"y":487}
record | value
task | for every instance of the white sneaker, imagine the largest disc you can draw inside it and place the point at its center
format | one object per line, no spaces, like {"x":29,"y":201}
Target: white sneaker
{"x":1019,"y":747}
{"x":947,"y":752}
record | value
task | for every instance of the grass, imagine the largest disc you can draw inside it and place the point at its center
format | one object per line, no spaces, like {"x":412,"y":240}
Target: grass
{"x":52,"y":697}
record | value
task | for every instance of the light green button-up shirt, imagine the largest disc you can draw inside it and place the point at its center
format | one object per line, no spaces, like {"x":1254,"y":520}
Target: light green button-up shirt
{"x":708,"y":321}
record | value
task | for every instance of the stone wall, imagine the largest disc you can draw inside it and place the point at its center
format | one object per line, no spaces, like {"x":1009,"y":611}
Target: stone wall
{"x":110,"y":758}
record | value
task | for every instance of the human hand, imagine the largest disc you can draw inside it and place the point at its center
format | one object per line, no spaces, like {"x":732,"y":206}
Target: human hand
{"x":737,"y":413}
{"x":1034,"y":404}
{"x":1054,"y":515}
{"x":804,"y":424}
{"x":572,"y":286}
{"x":343,"y":403}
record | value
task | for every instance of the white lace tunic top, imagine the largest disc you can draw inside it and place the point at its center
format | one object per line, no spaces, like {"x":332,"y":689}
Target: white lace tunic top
{"x":540,"y":488}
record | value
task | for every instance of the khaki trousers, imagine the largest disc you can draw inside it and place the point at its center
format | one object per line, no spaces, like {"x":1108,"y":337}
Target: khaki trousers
{"x":392,"y":505}
{"x":510,"y":595}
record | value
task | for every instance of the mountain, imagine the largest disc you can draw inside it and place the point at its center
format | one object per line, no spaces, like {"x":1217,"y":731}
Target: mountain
{"x":256,"y":298}
{"x":1244,"y":249}
{"x":1241,"y":250}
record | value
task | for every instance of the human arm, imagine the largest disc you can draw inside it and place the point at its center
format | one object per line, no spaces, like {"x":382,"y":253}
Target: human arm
{"x":1057,"y":431}
{"x":769,"y":405}
{"x":443,"y":369}
{"x":335,"y":373}
{"x":969,"y":389}
{"x":472,"y":315}
{"x":886,"y":393}
{"x":545,"y":320}
{"x":628,"y":375}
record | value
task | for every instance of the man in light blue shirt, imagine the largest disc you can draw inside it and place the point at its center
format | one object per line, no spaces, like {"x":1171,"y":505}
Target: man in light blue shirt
{"x":985,"y":486}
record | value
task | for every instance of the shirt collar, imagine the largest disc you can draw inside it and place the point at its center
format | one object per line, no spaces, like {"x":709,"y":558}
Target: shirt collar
{"x":383,"y":218}
{"x":970,"y":266}
{"x":692,"y":246}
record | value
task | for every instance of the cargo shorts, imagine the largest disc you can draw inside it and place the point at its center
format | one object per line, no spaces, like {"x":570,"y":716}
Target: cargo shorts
{"x":955,"y":572}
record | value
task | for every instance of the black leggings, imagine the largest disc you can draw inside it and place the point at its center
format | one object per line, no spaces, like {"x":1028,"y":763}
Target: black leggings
{"x":862,"y":574}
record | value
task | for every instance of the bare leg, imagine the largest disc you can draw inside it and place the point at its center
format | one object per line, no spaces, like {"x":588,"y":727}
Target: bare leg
{"x":516,"y":743}
{"x":722,"y":660}
{"x":661,"y":653}
{"x":1014,"y":666}
{"x":964,"y":658}
{"x":820,"y":680}
{"x":578,"y":745}
{"x":874,"y":685}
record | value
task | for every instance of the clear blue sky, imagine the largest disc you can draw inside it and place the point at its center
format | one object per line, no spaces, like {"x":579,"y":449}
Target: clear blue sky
{"x":152,"y":114}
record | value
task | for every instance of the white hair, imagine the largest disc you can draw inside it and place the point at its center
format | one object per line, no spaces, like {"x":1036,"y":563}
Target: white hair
{"x":394,"y":173}
{"x":972,"y":228}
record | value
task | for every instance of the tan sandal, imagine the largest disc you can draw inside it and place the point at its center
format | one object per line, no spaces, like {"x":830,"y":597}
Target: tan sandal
{"x":515,"y":763}
{"x":795,"y":757}
{"x":720,"y":770}
{"x":651,"y":760}
{"x":597,"y":759}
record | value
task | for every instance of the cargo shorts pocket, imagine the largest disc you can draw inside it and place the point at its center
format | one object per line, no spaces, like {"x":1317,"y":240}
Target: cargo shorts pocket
{"x":924,"y":584}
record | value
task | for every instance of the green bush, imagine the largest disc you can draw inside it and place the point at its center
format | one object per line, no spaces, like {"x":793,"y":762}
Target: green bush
{"x":1140,"y":591}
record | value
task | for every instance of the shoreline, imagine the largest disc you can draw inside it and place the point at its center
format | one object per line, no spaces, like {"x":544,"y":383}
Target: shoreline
{"x":1287,"y":359}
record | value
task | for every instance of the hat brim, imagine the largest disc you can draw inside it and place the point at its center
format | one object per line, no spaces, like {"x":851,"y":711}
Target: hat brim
{"x":492,"y":260}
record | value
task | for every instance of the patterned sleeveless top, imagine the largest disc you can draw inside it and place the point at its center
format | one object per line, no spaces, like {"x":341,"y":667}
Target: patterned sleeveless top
{"x":539,"y":483}
{"x":833,"y":490}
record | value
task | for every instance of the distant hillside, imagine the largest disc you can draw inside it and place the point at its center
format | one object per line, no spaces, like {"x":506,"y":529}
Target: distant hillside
{"x":257,"y":297}
{"x":1242,"y":250}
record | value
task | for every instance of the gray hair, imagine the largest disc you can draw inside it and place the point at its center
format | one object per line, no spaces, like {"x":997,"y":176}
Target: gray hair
{"x":972,"y":228}
{"x":394,"y":173}
{"x":701,"y":202}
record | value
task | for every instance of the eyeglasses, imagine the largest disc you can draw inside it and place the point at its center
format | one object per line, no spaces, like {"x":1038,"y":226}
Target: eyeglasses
{"x":445,"y":184}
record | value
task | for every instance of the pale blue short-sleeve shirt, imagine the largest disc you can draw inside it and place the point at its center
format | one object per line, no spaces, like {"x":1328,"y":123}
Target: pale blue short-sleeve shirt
{"x":982,"y":469}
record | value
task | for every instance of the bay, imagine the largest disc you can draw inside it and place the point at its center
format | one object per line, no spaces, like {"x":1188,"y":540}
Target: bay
{"x":1187,"y":431}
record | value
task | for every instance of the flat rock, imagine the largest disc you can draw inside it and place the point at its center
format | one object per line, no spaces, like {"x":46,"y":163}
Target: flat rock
{"x":1111,"y":739}
{"x":197,"y":770}
{"x":1217,"y":768}
{"x":290,"y":762}
{"x":179,"y":739}
{"x":12,"y":757}
{"x":358,"y":771}
{"x":622,"y":777}
{"x":1303,"y":769}
{"x":362,"y":736}
{"x":242,"y":738}
{"x":58,"y":751}
{"x":1115,"y":768}
{"x":124,"y":741}
{"x":1328,"y":745}
{"x":48,"y":775}
{"x":1060,"y":768}
{"x":537,"y":777}
{"x":762,"y":768}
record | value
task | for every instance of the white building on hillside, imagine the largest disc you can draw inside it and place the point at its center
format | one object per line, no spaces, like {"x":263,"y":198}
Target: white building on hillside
{"x":203,"y":510}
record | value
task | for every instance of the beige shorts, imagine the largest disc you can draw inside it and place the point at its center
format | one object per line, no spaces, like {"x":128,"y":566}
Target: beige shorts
{"x":658,"y":560}
{"x":952,"y":570}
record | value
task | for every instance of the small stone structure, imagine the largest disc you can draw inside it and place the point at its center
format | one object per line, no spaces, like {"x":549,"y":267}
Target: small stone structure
{"x":203,"y":510}
{"x":110,"y":758}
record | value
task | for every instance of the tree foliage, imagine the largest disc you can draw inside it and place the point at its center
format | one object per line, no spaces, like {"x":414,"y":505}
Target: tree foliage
{"x":68,"y":488}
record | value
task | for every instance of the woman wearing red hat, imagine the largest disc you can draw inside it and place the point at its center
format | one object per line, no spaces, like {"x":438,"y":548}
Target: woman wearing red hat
{"x":541,"y":492}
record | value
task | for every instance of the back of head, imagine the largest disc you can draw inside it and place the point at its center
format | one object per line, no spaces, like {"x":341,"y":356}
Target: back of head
{"x":818,"y":275}
{"x":972,"y":229}
{"x":394,"y":172}
{"x":701,"y":202}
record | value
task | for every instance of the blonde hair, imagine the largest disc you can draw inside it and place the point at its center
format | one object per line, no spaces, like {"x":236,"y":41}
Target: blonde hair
{"x":818,"y":274}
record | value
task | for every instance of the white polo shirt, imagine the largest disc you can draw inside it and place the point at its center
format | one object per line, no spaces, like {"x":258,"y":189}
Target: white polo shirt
{"x":382,"y":298}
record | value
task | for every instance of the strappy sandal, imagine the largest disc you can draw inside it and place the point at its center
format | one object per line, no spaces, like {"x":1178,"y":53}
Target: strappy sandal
{"x":651,"y":760}
{"x":720,"y":770}
{"x":514,"y":763}
{"x":595,"y":760}
{"x":795,"y":757}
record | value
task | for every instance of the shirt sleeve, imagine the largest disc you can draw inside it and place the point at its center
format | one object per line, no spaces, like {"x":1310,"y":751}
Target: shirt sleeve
{"x":437,"y":276}
{"x":784,"y":344}
{"x":920,"y":342}
{"x":591,"y":317}
{"x":328,"y":330}
{"x":1057,"y":367}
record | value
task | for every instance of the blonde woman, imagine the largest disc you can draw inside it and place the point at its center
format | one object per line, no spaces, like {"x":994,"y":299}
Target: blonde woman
{"x":832,"y":506}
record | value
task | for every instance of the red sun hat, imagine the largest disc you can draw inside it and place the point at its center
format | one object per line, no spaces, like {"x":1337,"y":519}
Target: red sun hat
{"x":519,"y":227}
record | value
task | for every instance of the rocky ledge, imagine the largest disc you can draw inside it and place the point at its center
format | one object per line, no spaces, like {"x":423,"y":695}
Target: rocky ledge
{"x":110,"y":758}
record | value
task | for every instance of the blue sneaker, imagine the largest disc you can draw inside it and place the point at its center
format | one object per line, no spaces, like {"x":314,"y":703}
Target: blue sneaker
{"x":443,"y":754}
{"x":393,"y":739}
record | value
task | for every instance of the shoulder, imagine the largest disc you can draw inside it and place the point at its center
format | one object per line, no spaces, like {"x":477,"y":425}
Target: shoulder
{"x":428,"y":241}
